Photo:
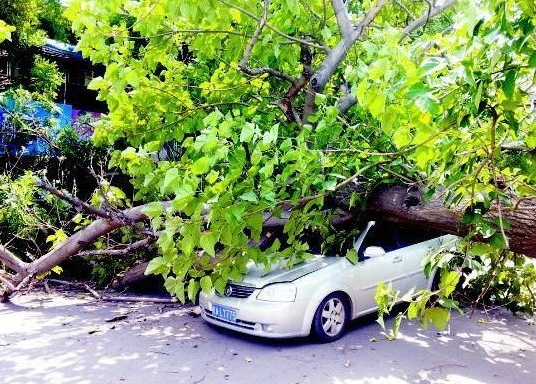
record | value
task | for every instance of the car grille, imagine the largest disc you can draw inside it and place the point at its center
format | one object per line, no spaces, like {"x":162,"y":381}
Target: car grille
{"x":239,"y":291}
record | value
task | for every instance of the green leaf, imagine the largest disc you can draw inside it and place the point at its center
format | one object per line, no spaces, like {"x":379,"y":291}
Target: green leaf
{"x":381,"y":322}
{"x":377,"y":105}
{"x":498,"y":241}
{"x":437,"y":316}
{"x":448,"y":282}
{"x":480,"y":249}
{"x":417,"y":90}
{"x":5,"y":31}
{"x":176,"y":288}
{"x":395,"y":327}
{"x":423,"y":97}
{"x":208,"y":241}
{"x":247,"y":132}
{"x":201,"y":166}
{"x":509,"y":83}
{"x":249,"y":196}
{"x":193,"y":289}
{"x":448,"y":303}
{"x":255,"y":222}
{"x":382,"y":297}
{"x":219,"y":285}
{"x":413,"y":310}
{"x":213,"y":118}
{"x":352,"y":257}
{"x":153,"y":209}
{"x":429,"y":103}
{"x":157,"y":266}
{"x":270,"y":136}
{"x":532,"y":60}
{"x":424,"y":155}
{"x":171,"y":181}
{"x":206,"y":284}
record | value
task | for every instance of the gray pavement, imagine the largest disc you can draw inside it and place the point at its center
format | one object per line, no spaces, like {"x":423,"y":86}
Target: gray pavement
{"x":71,"y":338}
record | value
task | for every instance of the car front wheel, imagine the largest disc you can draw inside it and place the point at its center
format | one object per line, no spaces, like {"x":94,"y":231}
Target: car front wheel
{"x":331,"y":318}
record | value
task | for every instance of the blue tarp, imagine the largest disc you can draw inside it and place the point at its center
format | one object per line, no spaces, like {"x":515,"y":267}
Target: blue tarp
{"x":32,"y":146}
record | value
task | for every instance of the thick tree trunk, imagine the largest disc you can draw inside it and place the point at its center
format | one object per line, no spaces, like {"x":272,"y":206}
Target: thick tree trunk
{"x":403,"y":205}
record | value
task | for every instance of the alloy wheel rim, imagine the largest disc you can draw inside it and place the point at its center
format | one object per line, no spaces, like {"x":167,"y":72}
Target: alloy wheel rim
{"x":333,"y":316}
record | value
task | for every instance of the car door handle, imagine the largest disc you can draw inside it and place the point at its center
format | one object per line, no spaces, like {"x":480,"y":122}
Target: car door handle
{"x":397,"y":259}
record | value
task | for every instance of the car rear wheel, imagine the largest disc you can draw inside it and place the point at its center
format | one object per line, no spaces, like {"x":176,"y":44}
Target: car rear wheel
{"x":331,"y":318}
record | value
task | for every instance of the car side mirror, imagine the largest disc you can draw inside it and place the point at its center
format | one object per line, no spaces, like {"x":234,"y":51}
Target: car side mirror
{"x":374,"y":252}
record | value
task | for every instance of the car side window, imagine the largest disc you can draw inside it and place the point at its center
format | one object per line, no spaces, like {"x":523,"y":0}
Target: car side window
{"x":380,"y":235}
{"x":407,"y":236}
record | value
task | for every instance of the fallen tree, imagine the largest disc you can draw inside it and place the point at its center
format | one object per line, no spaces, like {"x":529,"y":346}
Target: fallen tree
{"x":396,"y":203}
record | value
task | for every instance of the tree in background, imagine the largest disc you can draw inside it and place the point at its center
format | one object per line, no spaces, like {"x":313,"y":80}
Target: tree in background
{"x":34,"y":21}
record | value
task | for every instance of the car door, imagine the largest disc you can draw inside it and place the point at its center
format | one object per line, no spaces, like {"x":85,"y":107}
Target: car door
{"x":410,"y":259}
{"x":387,"y":268}
{"x":415,"y":244}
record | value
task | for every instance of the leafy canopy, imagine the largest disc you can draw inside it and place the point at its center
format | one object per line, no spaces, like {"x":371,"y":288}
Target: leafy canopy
{"x":212,"y":101}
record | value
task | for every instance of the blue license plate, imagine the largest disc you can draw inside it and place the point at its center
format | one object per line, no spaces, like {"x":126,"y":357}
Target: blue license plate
{"x":224,"y":313}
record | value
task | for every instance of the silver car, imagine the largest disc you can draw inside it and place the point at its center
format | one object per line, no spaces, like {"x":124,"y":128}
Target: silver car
{"x":322,"y":295}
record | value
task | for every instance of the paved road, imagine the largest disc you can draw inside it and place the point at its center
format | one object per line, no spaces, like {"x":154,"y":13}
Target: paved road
{"x":65,"y":338}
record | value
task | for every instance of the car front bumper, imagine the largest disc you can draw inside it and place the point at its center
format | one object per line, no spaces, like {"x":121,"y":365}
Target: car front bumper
{"x":258,"y":318}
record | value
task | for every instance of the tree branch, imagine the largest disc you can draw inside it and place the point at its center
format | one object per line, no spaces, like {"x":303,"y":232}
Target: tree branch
{"x":287,"y":103}
{"x":425,"y":18}
{"x":341,"y":14}
{"x":120,"y":252}
{"x":243,"y":65}
{"x":334,"y":58}
{"x":399,"y":204}
{"x":6,"y":280}
{"x":406,"y":9}
{"x":269,"y":26}
{"x":11,"y":261}
{"x":346,"y":102}
{"x":86,"y":236}
{"x":75,"y":202}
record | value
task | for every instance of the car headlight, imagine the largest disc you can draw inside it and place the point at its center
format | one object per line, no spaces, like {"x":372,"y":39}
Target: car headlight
{"x":278,"y":292}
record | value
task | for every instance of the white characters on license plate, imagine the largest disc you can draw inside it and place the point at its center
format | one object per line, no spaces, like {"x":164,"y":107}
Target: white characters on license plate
{"x":224,"y":313}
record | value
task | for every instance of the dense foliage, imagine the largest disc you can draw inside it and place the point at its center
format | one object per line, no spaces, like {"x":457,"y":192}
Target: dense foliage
{"x":232,"y":109}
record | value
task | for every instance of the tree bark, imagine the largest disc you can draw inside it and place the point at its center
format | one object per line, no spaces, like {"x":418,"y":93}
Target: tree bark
{"x":402,"y":205}
{"x":132,"y":275}
{"x":25,"y":272}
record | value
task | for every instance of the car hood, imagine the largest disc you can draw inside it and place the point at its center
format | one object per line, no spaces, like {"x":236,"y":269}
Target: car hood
{"x":257,"y":277}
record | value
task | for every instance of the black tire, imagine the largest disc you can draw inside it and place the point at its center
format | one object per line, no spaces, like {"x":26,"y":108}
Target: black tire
{"x":331,"y":318}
